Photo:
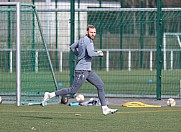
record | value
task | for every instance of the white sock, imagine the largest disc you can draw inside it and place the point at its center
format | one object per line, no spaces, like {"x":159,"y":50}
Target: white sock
{"x":52,"y":95}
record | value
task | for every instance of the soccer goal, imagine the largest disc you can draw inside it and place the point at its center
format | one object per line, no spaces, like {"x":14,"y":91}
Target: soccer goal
{"x":26,"y":67}
{"x":171,"y":44}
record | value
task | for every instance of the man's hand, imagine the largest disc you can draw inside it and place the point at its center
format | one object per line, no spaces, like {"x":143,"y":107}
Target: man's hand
{"x":100,"y":53}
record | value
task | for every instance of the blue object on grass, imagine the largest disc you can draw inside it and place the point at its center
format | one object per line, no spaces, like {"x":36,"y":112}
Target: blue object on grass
{"x":74,"y":104}
{"x":150,"y":80}
{"x":59,"y":84}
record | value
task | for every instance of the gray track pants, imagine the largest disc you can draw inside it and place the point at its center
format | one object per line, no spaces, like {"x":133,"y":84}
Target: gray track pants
{"x":80,"y":77}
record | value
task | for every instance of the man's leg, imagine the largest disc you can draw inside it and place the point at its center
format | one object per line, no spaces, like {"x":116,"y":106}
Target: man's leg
{"x":94,"y":79}
{"x":80,"y":77}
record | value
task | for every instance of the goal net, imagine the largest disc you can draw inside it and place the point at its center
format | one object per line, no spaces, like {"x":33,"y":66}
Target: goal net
{"x":171,"y":50}
{"x":25,"y":63}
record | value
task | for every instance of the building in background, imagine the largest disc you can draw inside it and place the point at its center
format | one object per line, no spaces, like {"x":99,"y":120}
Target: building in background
{"x":48,"y":18}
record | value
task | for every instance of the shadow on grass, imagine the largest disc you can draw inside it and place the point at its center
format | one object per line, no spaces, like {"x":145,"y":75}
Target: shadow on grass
{"x":62,"y":118}
{"x":37,"y":117}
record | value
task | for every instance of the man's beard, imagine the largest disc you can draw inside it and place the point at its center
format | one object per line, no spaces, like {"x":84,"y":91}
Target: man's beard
{"x":91,"y":37}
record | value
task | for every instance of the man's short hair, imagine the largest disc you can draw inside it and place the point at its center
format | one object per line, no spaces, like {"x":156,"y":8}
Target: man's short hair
{"x":90,"y":26}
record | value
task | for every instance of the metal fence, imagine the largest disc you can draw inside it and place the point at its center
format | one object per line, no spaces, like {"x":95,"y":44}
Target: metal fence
{"x":135,"y":63}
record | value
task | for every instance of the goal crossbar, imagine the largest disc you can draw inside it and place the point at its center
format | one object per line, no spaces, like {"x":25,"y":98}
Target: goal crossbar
{"x":108,"y":9}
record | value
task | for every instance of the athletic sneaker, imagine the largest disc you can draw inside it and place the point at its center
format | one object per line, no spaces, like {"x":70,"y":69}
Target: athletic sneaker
{"x":107,"y":111}
{"x":46,"y":98}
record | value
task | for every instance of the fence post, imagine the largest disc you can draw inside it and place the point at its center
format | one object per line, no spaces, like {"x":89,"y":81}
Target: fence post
{"x":151,"y":58}
{"x":60,"y":64}
{"x":100,"y":32}
{"x":36,"y":61}
{"x":11,"y":61}
{"x":107,"y":60}
{"x":159,"y":60}
{"x":164,"y":52}
{"x":171,"y":59}
{"x":121,"y":35}
{"x":56,"y":33}
{"x":72,"y":19}
{"x":129,"y":60}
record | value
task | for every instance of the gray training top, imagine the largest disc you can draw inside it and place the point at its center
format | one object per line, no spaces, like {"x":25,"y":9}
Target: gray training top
{"x":84,"y":50}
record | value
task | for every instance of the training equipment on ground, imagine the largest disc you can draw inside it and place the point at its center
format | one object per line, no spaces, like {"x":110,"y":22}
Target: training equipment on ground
{"x":171,"y":102}
{"x":64,"y":99}
{"x":74,"y":104}
{"x":91,"y":102}
{"x":34,"y":103}
{"x":79,"y":98}
{"x":30,"y":103}
{"x":138,"y":104}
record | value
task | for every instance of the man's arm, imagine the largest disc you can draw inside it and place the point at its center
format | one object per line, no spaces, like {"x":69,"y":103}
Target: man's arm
{"x":90,"y":50}
{"x":74,"y":47}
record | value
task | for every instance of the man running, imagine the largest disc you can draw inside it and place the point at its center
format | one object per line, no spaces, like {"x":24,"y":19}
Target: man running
{"x":84,"y":50}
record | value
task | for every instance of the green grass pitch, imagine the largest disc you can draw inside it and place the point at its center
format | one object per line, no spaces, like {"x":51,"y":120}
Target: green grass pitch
{"x":116,"y":82}
{"x":64,"y":118}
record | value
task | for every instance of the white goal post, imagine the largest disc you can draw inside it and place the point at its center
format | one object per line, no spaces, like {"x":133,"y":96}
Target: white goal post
{"x":27,"y":65}
{"x":165,"y":48}
{"x":18,"y":64}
